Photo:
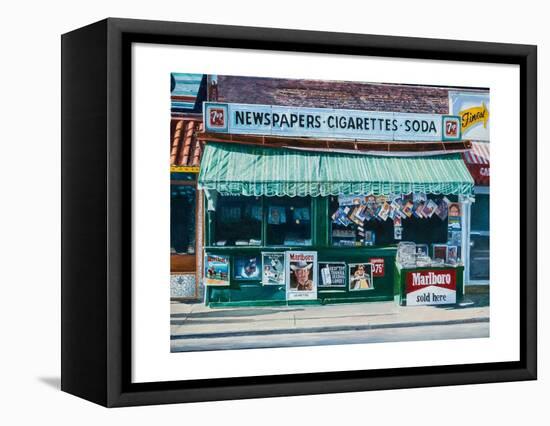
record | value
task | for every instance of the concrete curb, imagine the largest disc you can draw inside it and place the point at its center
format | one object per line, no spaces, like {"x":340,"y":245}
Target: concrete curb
{"x":327,"y":329}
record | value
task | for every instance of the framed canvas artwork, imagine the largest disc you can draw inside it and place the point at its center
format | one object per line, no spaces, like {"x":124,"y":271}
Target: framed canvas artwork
{"x":239,"y":203}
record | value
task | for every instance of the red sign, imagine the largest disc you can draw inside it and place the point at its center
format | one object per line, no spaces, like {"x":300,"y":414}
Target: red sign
{"x":216,"y":117}
{"x":480,"y":172}
{"x":377,"y":266}
{"x":431,"y":287}
{"x":438,"y":277}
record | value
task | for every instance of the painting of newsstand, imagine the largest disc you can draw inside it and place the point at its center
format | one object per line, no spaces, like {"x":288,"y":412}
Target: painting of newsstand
{"x":310,"y":212}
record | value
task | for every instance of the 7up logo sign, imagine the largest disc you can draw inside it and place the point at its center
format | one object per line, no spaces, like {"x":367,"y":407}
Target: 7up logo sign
{"x":451,"y":128}
{"x":215,"y":116}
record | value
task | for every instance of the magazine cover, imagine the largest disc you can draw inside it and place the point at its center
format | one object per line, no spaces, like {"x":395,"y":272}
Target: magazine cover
{"x":440,"y":252}
{"x":442,"y":208}
{"x":216,"y":270}
{"x":360,"y":276}
{"x":301,"y":275}
{"x":397,"y":221}
{"x":384,"y":211}
{"x":452,"y":255}
{"x":419,"y":197}
{"x":369,"y":213}
{"x":337,"y":215}
{"x":397,"y":232}
{"x":332,"y":274}
{"x":370,"y":200}
{"x":360,"y":213}
{"x":454,"y":221}
{"x":397,"y":206}
{"x":408,"y":208}
{"x":340,"y":217}
{"x":354,"y":216}
{"x":370,"y":238}
{"x":455,"y":237}
{"x":419,"y":200}
{"x":454,"y":210}
{"x":381,"y":199}
{"x":419,"y":211}
{"x":273,"y":268}
{"x":429,"y":209}
{"x":247,"y":268}
{"x":350,"y":200}
{"x":422,"y":250}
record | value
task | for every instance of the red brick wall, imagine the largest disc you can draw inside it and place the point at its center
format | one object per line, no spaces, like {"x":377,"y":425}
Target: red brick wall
{"x":332,"y":94}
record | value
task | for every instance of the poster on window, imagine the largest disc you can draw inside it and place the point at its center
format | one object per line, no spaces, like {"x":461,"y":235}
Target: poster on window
{"x":301,"y":275}
{"x":332,"y":274}
{"x":276,"y":215}
{"x":216,"y":270}
{"x":273,"y":268}
{"x":247,"y":268}
{"x":360,"y":276}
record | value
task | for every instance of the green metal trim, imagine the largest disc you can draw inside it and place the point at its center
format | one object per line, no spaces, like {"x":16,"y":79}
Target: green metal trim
{"x":346,"y":251}
{"x":333,"y":301}
{"x":320,"y":301}
{"x":256,"y":303}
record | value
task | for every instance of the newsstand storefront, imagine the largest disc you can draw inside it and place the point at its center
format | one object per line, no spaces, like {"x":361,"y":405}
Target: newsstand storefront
{"x":474,"y":110}
{"x":298,"y":212}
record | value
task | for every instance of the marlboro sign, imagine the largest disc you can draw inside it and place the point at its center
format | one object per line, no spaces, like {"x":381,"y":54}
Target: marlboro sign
{"x":436,"y":287}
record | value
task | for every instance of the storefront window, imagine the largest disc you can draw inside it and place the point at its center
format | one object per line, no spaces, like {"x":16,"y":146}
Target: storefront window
{"x":238,"y":221}
{"x":425,"y":230}
{"x":182,"y":223}
{"x":288,"y":221}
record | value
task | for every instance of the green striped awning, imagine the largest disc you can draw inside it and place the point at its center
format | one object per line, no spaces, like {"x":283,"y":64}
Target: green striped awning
{"x":233,"y":169}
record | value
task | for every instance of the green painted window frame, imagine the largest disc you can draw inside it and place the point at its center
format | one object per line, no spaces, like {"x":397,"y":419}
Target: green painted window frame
{"x":319,"y":227}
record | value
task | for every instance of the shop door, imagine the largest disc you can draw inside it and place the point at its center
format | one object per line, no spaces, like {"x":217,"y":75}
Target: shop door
{"x":479,"y":239}
{"x":183,"y":261}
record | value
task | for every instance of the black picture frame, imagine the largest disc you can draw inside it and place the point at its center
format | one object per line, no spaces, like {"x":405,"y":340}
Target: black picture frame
{"x":96,"y":212}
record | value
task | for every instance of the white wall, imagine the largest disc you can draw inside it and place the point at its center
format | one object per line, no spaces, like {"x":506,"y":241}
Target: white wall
{"x":30,"y":175}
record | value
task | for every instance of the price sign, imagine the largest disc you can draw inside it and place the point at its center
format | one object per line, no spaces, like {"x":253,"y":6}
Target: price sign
{"x":377,"y":267}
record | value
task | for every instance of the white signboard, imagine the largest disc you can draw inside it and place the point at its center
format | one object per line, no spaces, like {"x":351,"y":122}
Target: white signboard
{"x":473,"y":110}
{"x":431,"y":287}
{"x":329,"y":123}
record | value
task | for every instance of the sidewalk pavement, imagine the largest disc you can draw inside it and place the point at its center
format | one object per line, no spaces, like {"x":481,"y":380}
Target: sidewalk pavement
{"x":194,"y":320}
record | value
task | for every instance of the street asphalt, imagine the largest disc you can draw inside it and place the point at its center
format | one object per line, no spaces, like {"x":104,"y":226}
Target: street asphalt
{"x":433,"y":332}
{"x":195,"y":327}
